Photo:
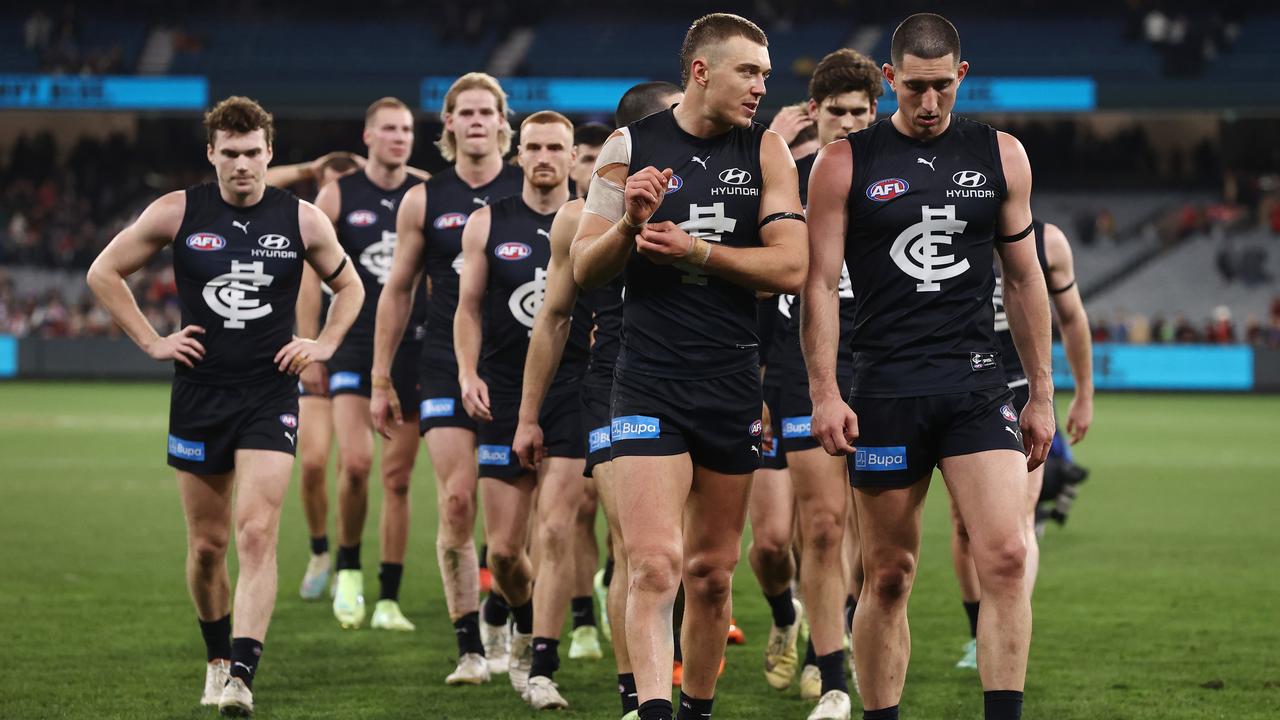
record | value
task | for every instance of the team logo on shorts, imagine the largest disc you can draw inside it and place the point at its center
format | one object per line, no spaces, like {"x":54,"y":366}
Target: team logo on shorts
{"x":800,"y":426}
{"x":362,"y":218}
{"x":887,"y":189}
{"x":1007,"y":413}
{"x":495,"y":455}
{"x":880,"y":459}
{"x":512,"y":251}
{"x":450,"y":221}
{"x":206,"y":242}
{"x":599,"y":439}
{"x":345,"y":380}
{"x":289,"y":420}
{"x":756,"y":428}
{"x":674,"y":184}
{"x":436,"y":407}
{"x":635,"y":427}
{"x":186,"y":449}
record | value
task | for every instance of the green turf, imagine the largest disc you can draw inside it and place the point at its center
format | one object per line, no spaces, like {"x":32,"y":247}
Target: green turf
{"x":1166,"y":578}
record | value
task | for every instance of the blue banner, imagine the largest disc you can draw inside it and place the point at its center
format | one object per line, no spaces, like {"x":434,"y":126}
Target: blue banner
{"x":530,"y":94}
{"x":106,"y":92}
{"x":1163,"y":367}
{"x":1028,"y":94}
{"x":8,"y":356}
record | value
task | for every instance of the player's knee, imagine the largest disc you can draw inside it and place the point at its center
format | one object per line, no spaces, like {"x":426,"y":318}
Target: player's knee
{"x":395,"y":482}
{"x":356,"y":467}
{"x":556,"y":534}
{"x":1007,"y":561}
{"x":458,"y":512}
{"x":503,"y":558}
{"x":890,"y":578}
{"x":255,"y":539}
{"x":209,"y":552}
{"x":654,"y":570}
{"x":709,"y":580}
{"x":823,"y":532}
{"x":770,"y":549}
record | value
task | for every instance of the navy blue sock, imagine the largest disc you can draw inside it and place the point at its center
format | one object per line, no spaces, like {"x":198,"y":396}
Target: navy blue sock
{"x":484,"y":556}
{"x":810,"y":656}
{"x":627,"y":691}
{"x":971,"y":609}
{"x":850,"y":607}
{"x":245,"y":654}
{"x":584,"y":611}
{"x":783,"y":610}
{"x":495,"y":609}
{"x":694,"y":708}
{"x":546,"y":657}
{"x":389,"y":576}
{"x":523,"y":615}
{"x":349,"y":557}
{"x":889,"y":713}
{"x":1002,"y":705}
{"x":217,"y":638}
{"x":467,"y":630}
{"x":608,"y":572}
{"x":320,"y":545}
{"x":656,"y":710}
{"x":831,"y":666}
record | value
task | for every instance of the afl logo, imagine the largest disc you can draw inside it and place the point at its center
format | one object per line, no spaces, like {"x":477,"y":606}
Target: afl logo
{"x":1008,"y":414}
{"x":756,"y":428}
{"x":734,"y":176}
{"x":450,"y":221}
{"x":206,"y":242}
{"x":674,"y":184}
{"x":885,"y":190}
{"x":274,"y":242}
{"x":512,"y":251}
{"x":362,"y":218}
{"x":969,"y":179}
{"x":289,"y":420}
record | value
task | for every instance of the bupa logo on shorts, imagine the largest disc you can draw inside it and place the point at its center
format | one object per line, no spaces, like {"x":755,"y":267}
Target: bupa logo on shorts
{"x":206,"y":242}
{"x":599,"y":439}
{"x":344,"y":380}
{"x":635,"y":427}
{"x":674,"y":184}
{"x":186,"y":449}
{"x":800,"y":426}
{"x":756,"y":428}
{"x":1007,"y":413}
{"x":436,"y":407}
{"x":450,"y":221}
{"x":887,"y":189}
{"x":495,"y":455}
{"x":512,"y":251}
{"x":881,"y":458}
{"x":362,"y":218}
{"x":289,"y":420}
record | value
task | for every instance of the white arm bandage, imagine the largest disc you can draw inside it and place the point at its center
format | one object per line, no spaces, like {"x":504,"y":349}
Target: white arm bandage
{"x":605,"y":197}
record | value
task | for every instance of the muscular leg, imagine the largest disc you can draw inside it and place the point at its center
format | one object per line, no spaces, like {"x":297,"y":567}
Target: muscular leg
{"x":653,"y":490}
{"x":989,"y":489}
{"x":586,"y":549}
{"x":559,"y":494}
{"x":821,"y":490}
{"x":889,"y":530}
{"x":715,"y":515}
{"x":355,"y":459}
{"x":506,"y":507}
{"x":1035,"y":479}
{"x":315,"y":436}
{"x":606,"y":488}
{"x":206,"y":503}
{"x":771,"y":503}
{"x":398,"y":455}
{"x":263,"y":479}
{"x":962,"y":559}
{"x":453,"y":457}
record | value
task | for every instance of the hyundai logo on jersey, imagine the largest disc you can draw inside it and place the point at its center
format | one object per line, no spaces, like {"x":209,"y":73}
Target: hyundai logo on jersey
{"x":512,"y":251}
{"x":362,"y":218}
{"x":877,"y":459}
{"x":635,"y":427}
{"x":450,"y":220}
{"x":885,"y":190}
{"x":206,"y":242}
{"x":274,"y":242}
{"x":800,"y":426}
{"x":599,"y":439}
{"x":343,"y":381}
{"x":186,"y":449}
{"x":436,"y":407}
{"x":495,"y":455}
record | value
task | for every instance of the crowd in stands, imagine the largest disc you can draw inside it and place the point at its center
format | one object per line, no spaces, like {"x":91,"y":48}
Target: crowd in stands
{"x":57,"y":41}
{"x":1220,"y":329}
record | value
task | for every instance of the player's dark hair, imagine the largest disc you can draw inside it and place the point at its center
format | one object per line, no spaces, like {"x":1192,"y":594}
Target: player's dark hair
{"x":845,"y":71}
{"x":238,"y":115}
{"x":927,"y":36}
{"x":592,"y":133}
{"x":340,"y":163}
{"x":808,"y":134}
{"x":642,"y":101}
{"x":715,"y":28}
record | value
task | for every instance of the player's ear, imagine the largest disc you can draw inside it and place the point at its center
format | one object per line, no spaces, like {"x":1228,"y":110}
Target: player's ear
{"x":887,"y":71}
{"x":271,"y":152}
{"x":812,"y":107}
{"x":698,"y":71}
{"x":209,"y":152}
{"x":961,"y":70}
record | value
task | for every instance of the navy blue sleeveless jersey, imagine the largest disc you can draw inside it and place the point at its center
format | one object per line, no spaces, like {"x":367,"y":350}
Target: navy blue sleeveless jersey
{"x":678,"y":321}
{"x":367,"y":231}
{"x":1014,"y":373}
{"x":922,"y":222}
{"x":450,"y":201}
{"x":518,"y":251}
{"x":237,"y":271}
{"x":605,"y":305}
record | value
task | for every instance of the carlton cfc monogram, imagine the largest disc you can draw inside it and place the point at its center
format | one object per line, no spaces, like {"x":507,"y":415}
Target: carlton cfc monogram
{"x":916,"y":249}
{"x":233,"y":295}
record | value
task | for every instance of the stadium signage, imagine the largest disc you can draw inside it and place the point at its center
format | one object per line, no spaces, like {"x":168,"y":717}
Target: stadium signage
{"x":1021,"y":94}
{"x":104,"y":92}
{"x":530,"y":94}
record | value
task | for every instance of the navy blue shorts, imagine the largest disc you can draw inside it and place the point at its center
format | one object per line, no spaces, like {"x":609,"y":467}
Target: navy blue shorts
{"x":561,"y":421}
{"x":208,"y":423}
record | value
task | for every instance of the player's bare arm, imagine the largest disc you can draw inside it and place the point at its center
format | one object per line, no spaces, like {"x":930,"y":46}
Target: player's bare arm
{"x":286,"y":175}
{"x":1073,"y":323}
{"x":314,"y":377}
{"x":618,"y":208}
{"x":1026,"y":300}
{"x":325,"y":256}
{"x":778,"y":266}
{"x":395,"y":304}
{"x":834,"y":422}
{"x":550,"y":332}
{"x":467,"y":333}
{"x":127,"y":253}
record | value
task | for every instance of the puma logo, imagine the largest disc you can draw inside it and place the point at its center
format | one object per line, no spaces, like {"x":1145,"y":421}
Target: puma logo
{"x":929,"y":162}
{"x":544,"y":233}
{"x":700,"y":161}
{"x":388,"y":204}
{"x":755,"y":450}
{"x":293,"y":441}
{"x":482,"y":202}
{"x":1014,"y":433}
{"x":244,"y":227}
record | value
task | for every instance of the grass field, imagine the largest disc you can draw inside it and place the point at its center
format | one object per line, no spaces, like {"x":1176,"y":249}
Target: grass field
{"x":1165,"y":580}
